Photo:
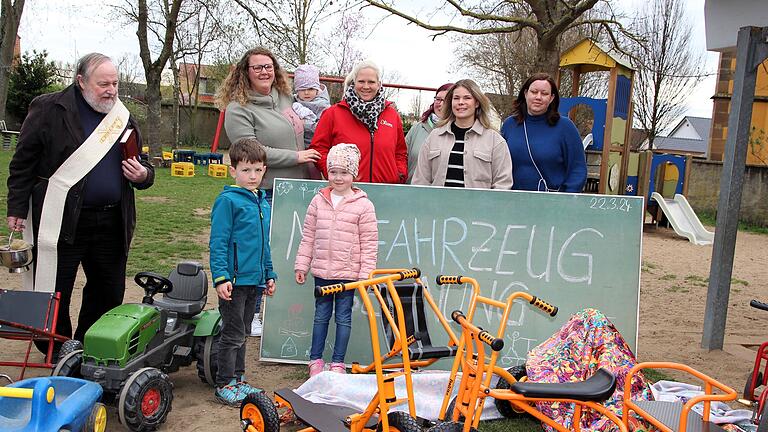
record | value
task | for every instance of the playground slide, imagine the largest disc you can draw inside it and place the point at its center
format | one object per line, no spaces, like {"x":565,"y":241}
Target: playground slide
{"x":683,"y":219}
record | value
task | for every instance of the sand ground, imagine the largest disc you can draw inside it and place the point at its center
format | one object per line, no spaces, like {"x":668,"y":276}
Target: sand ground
{"x":672,"y":303}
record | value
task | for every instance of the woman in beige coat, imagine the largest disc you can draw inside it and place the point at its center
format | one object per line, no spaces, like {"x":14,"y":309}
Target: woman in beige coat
{"x":464,"y":150}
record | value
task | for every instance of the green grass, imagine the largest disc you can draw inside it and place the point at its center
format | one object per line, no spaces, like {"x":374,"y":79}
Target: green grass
{"x":172,"y":218}
{"x":710,"y":218}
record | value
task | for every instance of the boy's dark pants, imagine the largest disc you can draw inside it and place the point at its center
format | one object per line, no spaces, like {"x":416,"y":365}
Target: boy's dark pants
{"x":236,"y":315}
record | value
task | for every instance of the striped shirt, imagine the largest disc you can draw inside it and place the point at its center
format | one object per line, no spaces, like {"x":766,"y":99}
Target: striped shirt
{"x":454,"y":177}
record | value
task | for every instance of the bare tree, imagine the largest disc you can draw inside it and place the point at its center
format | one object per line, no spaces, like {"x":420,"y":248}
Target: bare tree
{"x":10,"y":16}
{"x":288,"y":27}
{"x":668,"y":67}
{"x":547,"y":19}
{"x":338,"y":45}
{"x":156,"y":22}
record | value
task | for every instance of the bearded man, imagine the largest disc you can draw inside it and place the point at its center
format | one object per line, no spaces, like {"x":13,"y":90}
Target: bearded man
{"x":73,"y":174}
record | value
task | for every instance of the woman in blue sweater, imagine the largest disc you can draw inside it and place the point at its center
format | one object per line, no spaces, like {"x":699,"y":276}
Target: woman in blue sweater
{"x":546,"y":149}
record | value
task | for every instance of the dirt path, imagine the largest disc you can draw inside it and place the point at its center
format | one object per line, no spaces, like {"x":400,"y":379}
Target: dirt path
{"x":672,"y":299}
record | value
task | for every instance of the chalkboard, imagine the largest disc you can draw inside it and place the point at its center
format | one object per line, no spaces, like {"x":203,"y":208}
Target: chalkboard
{"x":573,"y":250}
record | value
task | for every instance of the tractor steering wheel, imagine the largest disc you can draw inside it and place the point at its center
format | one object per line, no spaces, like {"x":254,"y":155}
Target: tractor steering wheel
{"x":153,"y":283}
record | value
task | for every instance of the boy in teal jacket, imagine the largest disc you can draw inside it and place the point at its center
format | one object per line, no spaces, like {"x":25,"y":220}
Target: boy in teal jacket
{"x":241,"y":263}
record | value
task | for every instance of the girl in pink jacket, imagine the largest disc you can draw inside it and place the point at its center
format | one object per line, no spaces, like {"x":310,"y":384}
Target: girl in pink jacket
{"x":339,"y":245}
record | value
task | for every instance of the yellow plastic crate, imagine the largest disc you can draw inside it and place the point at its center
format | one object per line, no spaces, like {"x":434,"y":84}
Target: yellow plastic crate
{"x":167,"y":156}
{"x":182,"y":169}
{"x":145,"y":149}
{"x":218,"y":170}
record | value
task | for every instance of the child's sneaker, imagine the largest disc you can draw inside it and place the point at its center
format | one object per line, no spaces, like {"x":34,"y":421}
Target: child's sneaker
{"x":256,"y":325}
{"x":230,"y":394}
{"x":315,"y":367}
{"x":246,"y":388}
{"x":338,"y":368}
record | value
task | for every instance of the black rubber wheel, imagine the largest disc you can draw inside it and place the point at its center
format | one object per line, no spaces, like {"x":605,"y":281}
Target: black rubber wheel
{"x":145,"y":400}
{"x":748,"y":394}
{"x":206,"y":351}
{"x":400,"y":421}
{"x":505,"y":407}
{"x":449,"y":411}
{"x":259,"y":411}
{"x":763,"y":425}
{"x":97,"y":420}
{"x":449,"y":426}
{"x":69,"y":365}
{"x":69,"y":346}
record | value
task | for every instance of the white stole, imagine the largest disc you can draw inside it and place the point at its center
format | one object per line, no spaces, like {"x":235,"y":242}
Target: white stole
{"x":77,"y":166}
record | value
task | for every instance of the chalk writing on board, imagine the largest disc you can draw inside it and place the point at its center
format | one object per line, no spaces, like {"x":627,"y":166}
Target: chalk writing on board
{"x":284,"y":188}
{"x":610,"y":203}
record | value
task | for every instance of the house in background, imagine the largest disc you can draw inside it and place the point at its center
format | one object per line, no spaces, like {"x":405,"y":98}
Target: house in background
{"x":690,"y":136}
{"x":208,"y":83}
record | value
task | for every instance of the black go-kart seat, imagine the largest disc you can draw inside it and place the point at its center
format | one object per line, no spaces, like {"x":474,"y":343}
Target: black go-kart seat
{"x":596,"y":388}
{"x":190,"y":290}
{"x":412,"y":298}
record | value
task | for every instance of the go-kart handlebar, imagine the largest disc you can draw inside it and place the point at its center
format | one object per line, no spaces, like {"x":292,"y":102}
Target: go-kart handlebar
{"x":759,"y":305}
{"x":496,"y":344}
{"x":321,"y":291}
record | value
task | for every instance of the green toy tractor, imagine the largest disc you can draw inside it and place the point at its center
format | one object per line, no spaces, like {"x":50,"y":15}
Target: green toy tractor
{"x":129,"y":350}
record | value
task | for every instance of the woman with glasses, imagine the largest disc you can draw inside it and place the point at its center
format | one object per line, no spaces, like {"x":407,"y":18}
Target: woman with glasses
{"x":546,"y":149}
{"x":258,"y":103}
{"x":464,"y":150}
{"x":419,"y":131}
{"x":366,"y":119}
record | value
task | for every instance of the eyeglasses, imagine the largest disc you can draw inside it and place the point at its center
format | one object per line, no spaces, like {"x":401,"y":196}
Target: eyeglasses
{"x":439,"y":99}
{"x":258,"y":68}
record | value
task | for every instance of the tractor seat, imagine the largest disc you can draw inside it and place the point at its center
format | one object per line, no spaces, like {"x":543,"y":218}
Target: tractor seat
{"x":190,"y":290}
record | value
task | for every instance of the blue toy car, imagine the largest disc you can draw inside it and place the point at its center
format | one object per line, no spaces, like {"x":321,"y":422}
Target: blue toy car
{"x":52,"y":404}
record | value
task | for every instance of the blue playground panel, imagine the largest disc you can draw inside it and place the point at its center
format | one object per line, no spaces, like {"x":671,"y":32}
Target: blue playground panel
{"x":656,"y":161}
{"x":69,"y":408}
{"x":598,"y":106}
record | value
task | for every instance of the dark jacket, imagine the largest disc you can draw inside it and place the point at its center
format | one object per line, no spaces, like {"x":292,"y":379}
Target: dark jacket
{"x":50,"y":134}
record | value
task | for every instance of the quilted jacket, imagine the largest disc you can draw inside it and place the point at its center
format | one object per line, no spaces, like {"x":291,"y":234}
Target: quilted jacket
{"x":342,"y":242}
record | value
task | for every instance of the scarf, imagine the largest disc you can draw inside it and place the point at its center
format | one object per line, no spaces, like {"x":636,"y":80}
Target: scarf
{"x":367,"y":112}
{"x":433,"y":119}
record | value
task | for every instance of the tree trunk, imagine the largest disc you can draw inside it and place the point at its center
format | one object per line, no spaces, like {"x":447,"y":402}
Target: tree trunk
{"x":176,"y":98}
{"x":9,"y":26}
{"x":548,"y":56}
{"x":152,"y":138}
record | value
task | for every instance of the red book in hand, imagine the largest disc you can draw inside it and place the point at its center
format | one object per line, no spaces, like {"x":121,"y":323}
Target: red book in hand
{"x":129,"y":145}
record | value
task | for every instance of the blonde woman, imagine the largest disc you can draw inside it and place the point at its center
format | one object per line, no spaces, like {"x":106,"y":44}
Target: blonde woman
{"x":464,"y":149}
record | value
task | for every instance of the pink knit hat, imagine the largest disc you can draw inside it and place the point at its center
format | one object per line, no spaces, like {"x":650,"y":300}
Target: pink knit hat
{"x":344,"y":156}
{"x":306,"y":77}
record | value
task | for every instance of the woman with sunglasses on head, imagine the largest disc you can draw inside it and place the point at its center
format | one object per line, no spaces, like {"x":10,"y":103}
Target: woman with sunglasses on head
{"x":419,"y":131}
{"x":369,"y":121}
{"x":465,"y":150}
{"x":546,"y":149}
{"x":258,"y":103}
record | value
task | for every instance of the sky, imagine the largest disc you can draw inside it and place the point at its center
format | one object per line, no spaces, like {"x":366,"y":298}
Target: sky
{"x":67,"y":29}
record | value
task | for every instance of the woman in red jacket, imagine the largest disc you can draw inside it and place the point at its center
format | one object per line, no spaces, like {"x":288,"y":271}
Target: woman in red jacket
{"x":365,"y":119}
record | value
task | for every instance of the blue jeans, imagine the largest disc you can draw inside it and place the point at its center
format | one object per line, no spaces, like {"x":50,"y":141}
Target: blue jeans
{"x":323,"y":308}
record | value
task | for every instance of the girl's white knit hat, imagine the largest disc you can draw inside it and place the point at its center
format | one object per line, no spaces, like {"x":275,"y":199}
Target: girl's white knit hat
{"x":344,"y":156}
